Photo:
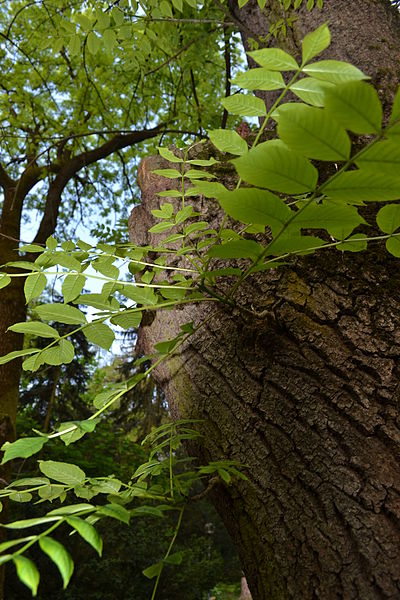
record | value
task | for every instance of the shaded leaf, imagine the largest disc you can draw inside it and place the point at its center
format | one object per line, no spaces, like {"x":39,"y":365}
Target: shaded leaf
{"x":63,"y":313}
{"x":356,"y":187}
{"x":250,"y":205}
{"x":388,"y":218}
{"x":312,"y":132}
{"x":236,"y":249}
{"x":34,"y":285}
{"x":35,"y":328}
{"x":356,"y":106}
{"x":100,"y":334}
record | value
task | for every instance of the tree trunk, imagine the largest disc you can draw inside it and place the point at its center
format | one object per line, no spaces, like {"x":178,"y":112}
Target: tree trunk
{"x":305,"y":394}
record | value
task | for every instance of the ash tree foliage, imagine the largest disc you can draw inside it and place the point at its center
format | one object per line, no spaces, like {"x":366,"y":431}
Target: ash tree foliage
{"x":304,"y":178}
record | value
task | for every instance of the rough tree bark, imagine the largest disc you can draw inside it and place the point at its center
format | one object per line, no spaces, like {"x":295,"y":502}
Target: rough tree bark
{"x":306,"y":394}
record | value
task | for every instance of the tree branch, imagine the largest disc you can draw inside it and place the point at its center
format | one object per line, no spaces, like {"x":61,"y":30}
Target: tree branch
{"x":5,"y":180}
{"x":71,"y":167}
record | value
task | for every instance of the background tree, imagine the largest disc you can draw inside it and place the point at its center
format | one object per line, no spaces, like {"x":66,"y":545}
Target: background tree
{"x":88,"y":84}
{"x":305,"y":391}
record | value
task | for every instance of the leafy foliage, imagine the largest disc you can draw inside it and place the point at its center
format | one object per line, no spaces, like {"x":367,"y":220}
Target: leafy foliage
{"x":313,"y":175}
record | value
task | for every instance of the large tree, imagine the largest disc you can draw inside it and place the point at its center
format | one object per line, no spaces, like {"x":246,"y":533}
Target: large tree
{"x":82,"y":85}
{"x":302,"y":386}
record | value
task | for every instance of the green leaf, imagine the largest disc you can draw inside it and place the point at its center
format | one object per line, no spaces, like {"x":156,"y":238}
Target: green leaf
{"x":168,"y":155}
{"x":236,"y":249}
{"x":22,"y":448}
{"x":33,"y":362}
{"x":93,"y":42}
{"x":155,"y":569}
{"x":167,"y":346}
{"x":27,"y":573}
{"x":312,"y":132}
{"x":51,"y":243}
{"x":355,"y":243}
{"x":209,"y":189}
{"x":72,"y":509}
{"x":141,"y":295}
{"x":98,"y":301}
{"x":62,"y":472}
{"x":20,"y":497}
{"x":115,"y":511}
{"x":165,"y":211}
{"x":22,"y":264}
{"x":304,"y":244}
{"x":274,"y":59}
{"x":260,"y":78}
{"x":334,"y":71}
{"x":250,"y":205}
{"x":4,"y":280}
{"x":393,"y":246}
{"x":100,"y":334}
{"x":31,"y":248}
{"x":381,"y":156}
{"x":174,"y":559}
{"x":63,"y":313}
{"x":311,"y":90}
{"x":339,"y":220}
{"x":272,"y":165}
{"x":87,"y":532}
{"x":25,"y":523}
{"x":356,"y":106}
{"x":71,"y":436}
{"x":127,"y":320}
{"x":226,"y":140}
{"x":34,"y":285}
{"x":72,"y":286}
{"x":62,"y":353}
{"x":29,"y":481}
{"x":16,"y":354}
{"x":169,"y":173}
{"x":35,"y":328}
{"x":245,"y":106}
{"x":198,"y":174}
{"x":59,"y":556}
{"x":161,"y":227}
{"x":315,"y":42}
{"x":356,"y":187}
{"x":388,"y":218}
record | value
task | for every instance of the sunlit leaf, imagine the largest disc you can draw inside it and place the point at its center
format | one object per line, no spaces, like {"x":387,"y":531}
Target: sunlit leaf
{"x":62,"y":472}
{"x":334,"y":71}
{"x":272,"y":165}
{"x":245,"y":105}
{"x":274,"y":59}
{"x":59,"y":555}
{"x":315,"y":42}
{"x":22,"y":448}
{"x":27,"y":572}
{"x":312,"y":132}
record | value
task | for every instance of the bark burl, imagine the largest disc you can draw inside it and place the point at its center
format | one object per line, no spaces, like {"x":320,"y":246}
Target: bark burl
{"x":304,"y":386}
